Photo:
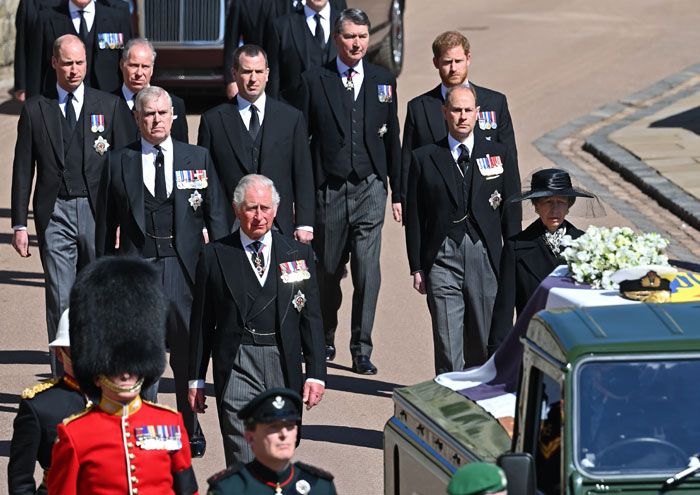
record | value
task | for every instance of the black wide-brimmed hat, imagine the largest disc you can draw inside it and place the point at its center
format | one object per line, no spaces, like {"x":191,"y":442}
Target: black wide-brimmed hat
{"x":551,"y":182}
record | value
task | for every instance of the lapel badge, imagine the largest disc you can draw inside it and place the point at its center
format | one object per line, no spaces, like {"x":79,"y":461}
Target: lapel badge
{"x":495,"y":199}
{"x":385,"y":93}
{"x":490,"y":166}
{"x":382,"y":130}
{"x":101,"y":145}
{"x":299,"y":301}
{"x":303,"y":487}
{"x":278,"y":403}
{"x":97,"y":123}
{"x":195,"y":200}
{"x":294,"y":271}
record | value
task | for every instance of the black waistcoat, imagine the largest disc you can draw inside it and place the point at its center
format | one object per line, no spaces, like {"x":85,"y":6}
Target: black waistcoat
{"x":160,"y":229}
{"x":463,"y":218}
{"x":260,"y":311}
{"x":317,"y":55}
{"x":73,"y":183}
{"x":251,"y":148}
{"x":353,"y":156}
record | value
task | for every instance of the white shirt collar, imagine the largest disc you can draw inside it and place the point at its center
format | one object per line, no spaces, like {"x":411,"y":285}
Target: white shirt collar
{"x":243,"y":104}
{"x":73,"y":9}
{"x":443,"y":88}
{"x":77,"y":93}
{"x":454,"y":144}
{"x":342,"y":68}
{"x":325,"y":12}
{"x":128,"y":94}
{"x":147,"y":147}
{"x":266,"y":239}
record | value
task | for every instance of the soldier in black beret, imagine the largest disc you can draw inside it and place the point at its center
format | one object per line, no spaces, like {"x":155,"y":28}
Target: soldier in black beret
{"x":272,"y":423}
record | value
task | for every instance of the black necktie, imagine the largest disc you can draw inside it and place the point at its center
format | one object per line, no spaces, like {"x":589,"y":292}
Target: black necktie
{"x":349,"y":84}
{"x":463,"y":159}
{"x":257,"y":257}
{"x":83,"y":32}
{"x":70,"y":111}
{"x":160,"y":190}
{"x":319,"y":35}
{"x":254,"y":126}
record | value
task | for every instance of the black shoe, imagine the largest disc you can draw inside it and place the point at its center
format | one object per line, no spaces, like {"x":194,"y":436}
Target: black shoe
{"x":363,"y":366}
{"x":330,"y":352}
{"x":198,"y":445}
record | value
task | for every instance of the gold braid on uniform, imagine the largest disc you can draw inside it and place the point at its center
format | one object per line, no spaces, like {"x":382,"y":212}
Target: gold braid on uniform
{"x":29,"y":393}
{"x":116,"y":388}
{"x":655,"y":296}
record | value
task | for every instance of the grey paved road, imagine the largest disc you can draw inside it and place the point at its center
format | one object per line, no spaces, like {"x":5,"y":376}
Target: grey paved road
{"x":555,"y":60}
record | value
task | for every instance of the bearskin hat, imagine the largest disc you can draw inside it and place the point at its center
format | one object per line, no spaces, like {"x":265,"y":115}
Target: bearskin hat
{"x":117,"y":322}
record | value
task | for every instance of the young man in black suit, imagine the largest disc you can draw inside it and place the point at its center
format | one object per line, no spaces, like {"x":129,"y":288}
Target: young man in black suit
{"x":350,"y":107}
{"x":160,"y":199}
{"x":62,"y":138}
{"x":137,"y":64}
{"x":254,"y":133}
{"x":256,"y":315}
{"x":425,"y":123}
{"x":103,"y":30}
{"x":455,"y":225}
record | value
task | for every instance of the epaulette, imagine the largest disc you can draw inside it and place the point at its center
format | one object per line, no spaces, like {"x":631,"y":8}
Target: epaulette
{"x":82,"y":413}
{"x":29,"y":393}
{"x":161,"y":406}
{"x":315,"y":471}
{"x":225,"y":473}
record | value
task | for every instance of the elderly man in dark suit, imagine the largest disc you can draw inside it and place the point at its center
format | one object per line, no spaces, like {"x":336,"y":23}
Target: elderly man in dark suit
{"x":256,"y":314}
{"x":425,"y":123}
{"x":254,"y":133}
{"x":350,"y":106}
{"x":455,"y":225}
{"x":103,"y":30}
{"x":157,"y":196}
{"x":63,"y":138}
{"x":299,"y":41}
{"x":137,"y":64}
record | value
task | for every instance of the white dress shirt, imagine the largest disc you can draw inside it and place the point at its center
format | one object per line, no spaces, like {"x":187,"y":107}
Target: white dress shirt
{"x":454,"y":147}
{"x":78,"y":99}
{"x":357,"y":77}
{"x":325,"y":14}
{"x":443,"y":88}
{"x":128,"y":96}
{"x":245,"y":111}
{"x":148,"y":160}
{"x":88,"y":13}
{"x":266,"y":253}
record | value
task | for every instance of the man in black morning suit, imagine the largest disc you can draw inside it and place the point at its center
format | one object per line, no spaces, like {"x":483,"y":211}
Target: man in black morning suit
{"x":103,"y":30}
{"x":350,"y":107}
{"x":256,"y":315}
{"x":425,"y":122}
{"x":137,"y":64}
{"x":273,"y":142}
{"x":299,"y":41}
{"x":159,"y":195}
{"x":455,"y":225}
{"x":62,"y":138}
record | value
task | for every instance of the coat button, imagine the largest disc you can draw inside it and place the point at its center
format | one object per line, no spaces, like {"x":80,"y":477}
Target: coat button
{"x":132,"y":456}
{"x":132,"y":467}
{"x":130,"y":445}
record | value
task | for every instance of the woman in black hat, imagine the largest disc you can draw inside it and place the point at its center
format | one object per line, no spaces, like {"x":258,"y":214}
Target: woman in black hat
{"x":529,"y":256}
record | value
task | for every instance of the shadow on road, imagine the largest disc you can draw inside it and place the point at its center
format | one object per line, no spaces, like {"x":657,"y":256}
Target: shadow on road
{"x":360,"y":385}
{"x":6,"y":238}
{"x":24,"y":357}
{"x":689,"y":120}
{"x":9,"y":398}
{"x":11,"y":277}
{"x":4,"y":448}
{"x":346,"y":435}
{"x":10,"y":107}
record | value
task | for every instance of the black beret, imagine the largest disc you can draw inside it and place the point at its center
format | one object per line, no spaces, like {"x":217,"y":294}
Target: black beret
{"x":275,"y":404}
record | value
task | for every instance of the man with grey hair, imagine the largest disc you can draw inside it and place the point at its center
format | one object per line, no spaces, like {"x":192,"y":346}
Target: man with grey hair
{"x":256,"y":313}
{"x":156,"y":197}
{"x":137,"y":64}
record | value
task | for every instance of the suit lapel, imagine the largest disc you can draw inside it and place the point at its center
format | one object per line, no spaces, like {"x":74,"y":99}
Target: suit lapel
{"x":90,"y":104}
{"x":271,"y":131}
{"x":298,"y":23}
{"x":181,"y":161}
{"x":232,"y":261}
{"x":331,"y":82}
{"x":284,"y":252}
{"x":235,"y":128}
{"x":533,"y":251}
{"x":132,"y":176}
{"x":52,"y":117}
{"x":442,"y":158}
{"x":432,"y":105}
{"x":477,"y":179}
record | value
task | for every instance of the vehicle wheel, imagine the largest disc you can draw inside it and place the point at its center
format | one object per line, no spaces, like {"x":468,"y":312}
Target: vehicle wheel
{"x":390,"y":53}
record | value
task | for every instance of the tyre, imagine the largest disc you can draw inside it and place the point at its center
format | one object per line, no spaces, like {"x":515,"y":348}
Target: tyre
{"x":390,"y":52}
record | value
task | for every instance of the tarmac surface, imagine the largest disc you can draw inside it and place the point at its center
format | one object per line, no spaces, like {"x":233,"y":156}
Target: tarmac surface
{"x":568,"y":69}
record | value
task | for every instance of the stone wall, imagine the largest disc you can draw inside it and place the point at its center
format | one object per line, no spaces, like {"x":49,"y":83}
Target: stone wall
{"x":8,"y":8}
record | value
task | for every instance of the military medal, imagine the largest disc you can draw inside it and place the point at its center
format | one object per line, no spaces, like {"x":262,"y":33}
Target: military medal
{"x":191,"y":179}
{"x":487,"y":120}
{"x":158,"y":437}
{"x":195,"y":200}
{"x":101,"y":145}
{"x":97,"y":123}
{"x":299,"y":301}
{"x":303,"y":487}
{"x":495,"y":199}
{"x":384,"y":93}
{"x":294,"y":271}
{"x":490,"y":166}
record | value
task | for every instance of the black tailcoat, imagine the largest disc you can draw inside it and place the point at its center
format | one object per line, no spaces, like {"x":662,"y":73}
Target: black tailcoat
{"x":122,"y":205}
{"x":284,"y":156}
{"x":39,"y":151}
{"x":433,"y":198}
{"x":425,"y":123}
{"x":219,"y":298}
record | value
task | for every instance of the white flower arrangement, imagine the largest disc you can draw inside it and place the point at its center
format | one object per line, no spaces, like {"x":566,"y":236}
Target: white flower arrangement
{"x":601,"y":251}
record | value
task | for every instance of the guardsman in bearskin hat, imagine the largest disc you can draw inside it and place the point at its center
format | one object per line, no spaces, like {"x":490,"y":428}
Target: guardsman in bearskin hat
{"x":272,"y":421}
{"x":42,"y":407}
{"x":122,"y":444}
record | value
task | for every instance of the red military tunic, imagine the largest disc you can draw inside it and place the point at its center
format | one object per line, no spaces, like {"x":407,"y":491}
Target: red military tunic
{"x":140,"y":449}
